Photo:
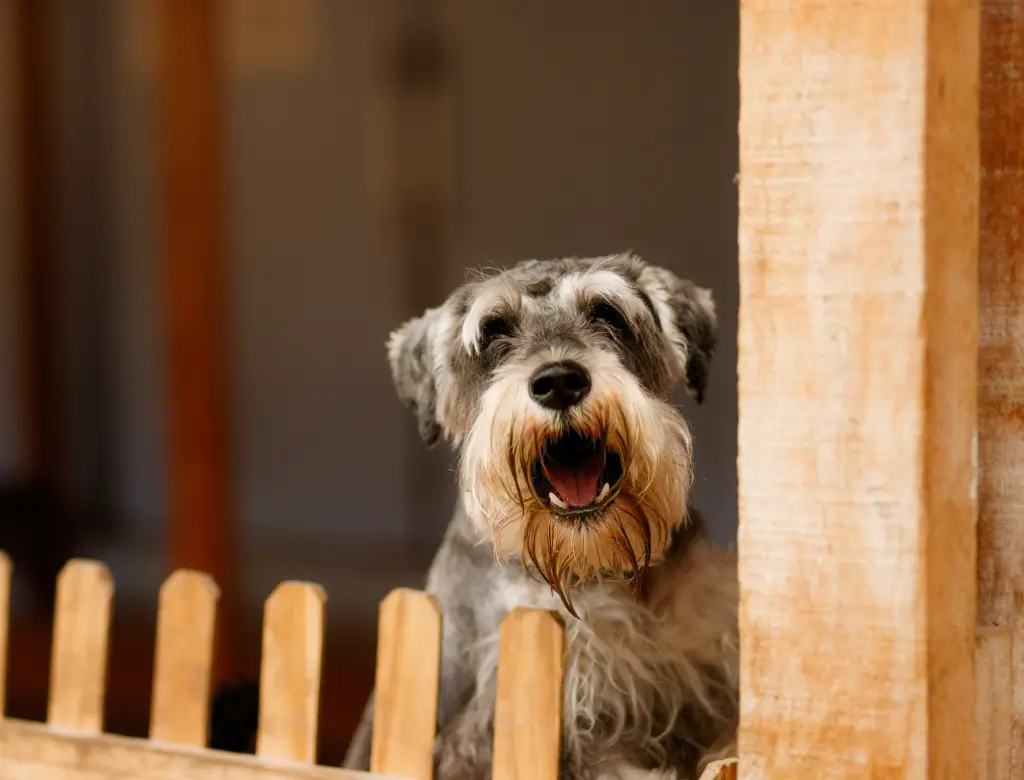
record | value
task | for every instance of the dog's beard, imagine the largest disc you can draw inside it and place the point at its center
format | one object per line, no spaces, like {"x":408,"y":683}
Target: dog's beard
{"x":592,"y":493}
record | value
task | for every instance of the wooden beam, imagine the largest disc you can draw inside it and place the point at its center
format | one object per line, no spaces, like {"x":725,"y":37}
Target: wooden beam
{"x":31,"y":751}
{"x":1001,"y":356}
{"x":199,"y":528}
{"x":858,"y":387}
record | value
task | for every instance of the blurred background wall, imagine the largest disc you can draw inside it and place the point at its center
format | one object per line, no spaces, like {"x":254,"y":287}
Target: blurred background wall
{"x":565,"y":127}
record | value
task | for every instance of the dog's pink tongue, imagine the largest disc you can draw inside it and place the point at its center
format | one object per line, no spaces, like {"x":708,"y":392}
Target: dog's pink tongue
{"x":577,"y":486}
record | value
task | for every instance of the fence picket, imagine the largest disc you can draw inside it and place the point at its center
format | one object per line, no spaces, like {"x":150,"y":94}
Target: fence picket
{"x":528,"y":710}
{"x":405,"y":693}
{"x":81,"y":631}
{"x":5,"y":624}
{"x":186,"y":626}
{"x":293,"y":641}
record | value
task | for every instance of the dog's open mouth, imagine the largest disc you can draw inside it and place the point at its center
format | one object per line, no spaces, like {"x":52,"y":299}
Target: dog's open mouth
{"x":576,"y":474}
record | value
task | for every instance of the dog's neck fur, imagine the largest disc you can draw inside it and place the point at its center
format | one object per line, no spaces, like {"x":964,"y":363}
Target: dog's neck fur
{"x":648,"y":682}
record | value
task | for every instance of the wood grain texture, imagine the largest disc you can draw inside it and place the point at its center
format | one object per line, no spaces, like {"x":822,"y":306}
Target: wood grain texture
{"x":199,"y":527}
{"x":993,"y":703}
{"x":857,"y":373}
{"x":406,"y":687}
{"x":720,"y":770}
{"x":185,"y":630}
{"x":290,"y":671}
{"x":1001,"y":356}
{"x":528,"y":708}
{"x":6,"y":571}
{"x":31,"y":751}
{"x":81,"y":632}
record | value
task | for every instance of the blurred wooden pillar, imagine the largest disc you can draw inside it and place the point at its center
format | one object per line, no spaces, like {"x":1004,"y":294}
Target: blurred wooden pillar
{"x":199,"y":525}
{"x":411,"y":166}
{"x":34,"y":158}
{"x":857,"y":388}
{"x":1001,"y":353}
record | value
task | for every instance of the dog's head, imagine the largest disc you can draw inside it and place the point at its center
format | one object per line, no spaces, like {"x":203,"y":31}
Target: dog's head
{"x":550,"y":379}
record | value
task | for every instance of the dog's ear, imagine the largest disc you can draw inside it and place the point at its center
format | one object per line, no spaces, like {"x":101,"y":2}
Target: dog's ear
{"x":410,"y":353}
{"x":687,"y":314}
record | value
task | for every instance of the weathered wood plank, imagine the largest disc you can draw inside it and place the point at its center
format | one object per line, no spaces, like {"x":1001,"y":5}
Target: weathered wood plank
{"x":1001,"y":356}
{"x":993,"y":703}
{"x":528,"y":708}
{"x":858,"y":385}
{"x":31,"y":751}
{"x":406,"y":686}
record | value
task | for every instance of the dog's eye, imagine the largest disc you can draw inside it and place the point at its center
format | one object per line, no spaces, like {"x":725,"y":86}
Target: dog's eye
{"x":606,"y":314}
{"x":494,"y":328}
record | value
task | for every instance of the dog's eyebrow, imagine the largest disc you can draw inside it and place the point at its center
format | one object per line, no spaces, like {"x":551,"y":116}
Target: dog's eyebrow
{"x":609,"y":285}
{"x":648,"y":303}
{"x":499,"y":299}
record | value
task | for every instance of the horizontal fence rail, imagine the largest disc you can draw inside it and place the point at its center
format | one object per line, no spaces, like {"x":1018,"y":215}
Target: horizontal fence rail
{"x":72,"y":745}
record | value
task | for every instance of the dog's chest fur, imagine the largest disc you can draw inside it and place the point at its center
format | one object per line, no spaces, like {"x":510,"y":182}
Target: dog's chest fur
{"x":648,"y":681}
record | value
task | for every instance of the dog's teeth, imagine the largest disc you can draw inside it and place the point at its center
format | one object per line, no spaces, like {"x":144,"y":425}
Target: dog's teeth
{"x":557,"y":501}
{"x":604,"y":491}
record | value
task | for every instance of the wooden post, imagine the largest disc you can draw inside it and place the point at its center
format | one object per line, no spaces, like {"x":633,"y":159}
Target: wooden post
{"x":411,"y":182}
{"x":35,"y":160}
{"x":1001,"y":356}
{"x":858,"y":387}
{"x":199,"y":530}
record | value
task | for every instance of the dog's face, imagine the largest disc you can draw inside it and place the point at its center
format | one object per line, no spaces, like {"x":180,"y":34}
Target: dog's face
{"x":550,"y":378}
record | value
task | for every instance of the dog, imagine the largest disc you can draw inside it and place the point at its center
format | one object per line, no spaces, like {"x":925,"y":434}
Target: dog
{"x":550,"y":381}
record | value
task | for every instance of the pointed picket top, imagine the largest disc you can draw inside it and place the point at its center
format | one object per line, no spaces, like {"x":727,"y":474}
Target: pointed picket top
{"x":81,"y":633}
{"x":293,"y":642}
{"x":406,"y":689}
{"x":183,"y":666}
{"x":5,"y":624}
{"x":528,"y":707}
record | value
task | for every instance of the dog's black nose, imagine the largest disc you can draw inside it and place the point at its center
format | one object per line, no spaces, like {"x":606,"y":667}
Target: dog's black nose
{"x":560,"y":385}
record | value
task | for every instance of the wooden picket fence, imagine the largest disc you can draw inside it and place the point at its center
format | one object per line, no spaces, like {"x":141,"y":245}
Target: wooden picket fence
{"x":71,"y":744}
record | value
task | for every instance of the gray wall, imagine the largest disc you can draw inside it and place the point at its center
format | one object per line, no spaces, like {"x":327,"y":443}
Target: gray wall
{"x":583,"y":127}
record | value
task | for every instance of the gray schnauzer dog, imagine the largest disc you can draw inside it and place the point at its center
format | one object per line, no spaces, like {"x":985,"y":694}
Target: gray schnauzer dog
{"x":550,"y":381}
